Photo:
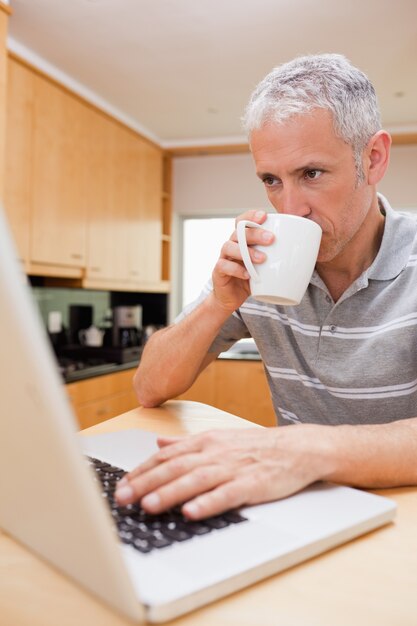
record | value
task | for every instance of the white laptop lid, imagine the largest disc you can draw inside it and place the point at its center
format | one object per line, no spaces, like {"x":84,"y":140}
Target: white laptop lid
{"x":47,"y":498}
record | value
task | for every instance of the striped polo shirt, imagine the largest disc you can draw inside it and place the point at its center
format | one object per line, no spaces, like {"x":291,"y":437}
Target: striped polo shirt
{"x":349,"y":362}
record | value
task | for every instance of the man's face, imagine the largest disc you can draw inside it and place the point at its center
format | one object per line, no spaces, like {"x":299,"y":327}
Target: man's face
{"x":308,"y":171}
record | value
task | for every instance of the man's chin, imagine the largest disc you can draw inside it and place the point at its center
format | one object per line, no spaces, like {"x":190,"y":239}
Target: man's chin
{"x":326,"y":255}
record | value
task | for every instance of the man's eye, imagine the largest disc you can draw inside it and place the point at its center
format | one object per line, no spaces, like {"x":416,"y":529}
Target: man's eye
{"x":269,"y":180}
{"x":313,"y":174}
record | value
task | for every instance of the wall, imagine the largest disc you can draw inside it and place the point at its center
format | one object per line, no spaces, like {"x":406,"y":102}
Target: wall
{"x":206,"y":185}
{"x":400,"y":182}
{"x":57,"y":299}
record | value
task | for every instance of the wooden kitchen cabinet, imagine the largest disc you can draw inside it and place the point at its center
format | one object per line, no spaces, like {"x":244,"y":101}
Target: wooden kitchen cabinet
{"x":204,"y":388}
{"x":145,"y":216}
{"x":125,"y":217}
{"x":239,"y":387}
{"x":84,"y":192}
{"x":4,"y":14}
{"x":106,"y":220}
{"x":59,"y":163}
{"x":166,"y":216}
{"x":97,"y":399}
{"x":19,"y":146}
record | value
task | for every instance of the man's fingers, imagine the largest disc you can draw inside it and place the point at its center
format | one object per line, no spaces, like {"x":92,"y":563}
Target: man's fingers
{"x":224,"y":267}
{"x":246,"y":488}
{"x":133,"y":488}
{"x":167,"y":441}
{"x":231,"y":250}
{"x":226,"y":496}
{"x":254,"y":215}
{"x":169,"y":450}
{"x":255,"y":236}
{"x":184,"y":488}
{"x":211,"y":473}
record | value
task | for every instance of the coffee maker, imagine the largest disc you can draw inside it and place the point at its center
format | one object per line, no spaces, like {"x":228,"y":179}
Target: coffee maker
{"x":127,"y":326}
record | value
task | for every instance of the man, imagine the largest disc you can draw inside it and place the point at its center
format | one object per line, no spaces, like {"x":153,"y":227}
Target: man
{"x":343,"y":364}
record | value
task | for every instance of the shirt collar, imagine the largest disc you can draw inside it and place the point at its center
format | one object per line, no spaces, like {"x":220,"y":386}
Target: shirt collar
{"x":396,"y":244}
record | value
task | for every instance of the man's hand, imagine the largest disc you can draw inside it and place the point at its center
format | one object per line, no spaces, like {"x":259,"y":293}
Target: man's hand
{"x":230,"y":278}
{"x":219,"y":470}
{"x":173,"y":357}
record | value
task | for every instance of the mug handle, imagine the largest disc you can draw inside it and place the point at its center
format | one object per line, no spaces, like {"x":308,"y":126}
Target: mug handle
{"x":243,"y":247}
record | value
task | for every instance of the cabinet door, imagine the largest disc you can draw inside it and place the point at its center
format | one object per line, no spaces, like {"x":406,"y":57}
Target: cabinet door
{"x":106,"y":231}
{"x":124,"y":223}
{"x":97,"y":399}
{"x":3,"y":91}
{"x":101,"y":410}
{"x":146,"y":247}
{"x":203,"y":389}
{"x":58,"y":220}
{"x":242,"y":389}
{"x":133,"y":185}
{"x":19,"y":144}
{"x":238,"y":387}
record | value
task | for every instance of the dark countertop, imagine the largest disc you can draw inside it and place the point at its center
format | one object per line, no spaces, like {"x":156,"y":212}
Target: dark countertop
{"x":240,"y":356}
{"x":234,"y":354}
{"x":98,"y":370}
{"x":243,"y":350}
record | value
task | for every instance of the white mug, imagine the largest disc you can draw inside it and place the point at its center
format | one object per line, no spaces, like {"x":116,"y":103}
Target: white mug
{"x":285,"y":274}
{"x":92,"y":336}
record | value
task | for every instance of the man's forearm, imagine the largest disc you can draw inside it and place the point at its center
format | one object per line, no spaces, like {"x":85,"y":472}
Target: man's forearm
{"x":174,"y":356}
{"x":383,"y":455}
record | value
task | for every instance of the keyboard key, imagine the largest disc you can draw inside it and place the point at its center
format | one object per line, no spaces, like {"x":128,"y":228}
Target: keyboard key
{"x":160,"y":542}
{"x":176,"y":533}
{"x":217,"y":522}
{"x":142,"y":545}
{"x":234,"y":517}
{"x":196,"y":528}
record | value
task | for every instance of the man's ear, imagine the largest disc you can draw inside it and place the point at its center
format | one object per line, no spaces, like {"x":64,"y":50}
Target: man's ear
{"x":376,"y":156}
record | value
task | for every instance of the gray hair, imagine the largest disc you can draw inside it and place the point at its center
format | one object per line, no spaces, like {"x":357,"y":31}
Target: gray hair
{"x":326,"y":81}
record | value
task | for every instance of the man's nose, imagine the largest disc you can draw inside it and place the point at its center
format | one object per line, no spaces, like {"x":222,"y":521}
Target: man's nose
{"x":293,"y":201}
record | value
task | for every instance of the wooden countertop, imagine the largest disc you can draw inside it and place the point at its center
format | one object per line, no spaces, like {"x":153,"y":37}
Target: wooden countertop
{"x":368,"y":582}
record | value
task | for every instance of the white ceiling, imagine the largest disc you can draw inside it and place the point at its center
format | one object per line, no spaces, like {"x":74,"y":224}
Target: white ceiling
{"x":182,"y":70}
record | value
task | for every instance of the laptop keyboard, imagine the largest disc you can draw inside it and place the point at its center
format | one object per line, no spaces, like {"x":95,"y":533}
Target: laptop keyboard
{"x":147,"y":532}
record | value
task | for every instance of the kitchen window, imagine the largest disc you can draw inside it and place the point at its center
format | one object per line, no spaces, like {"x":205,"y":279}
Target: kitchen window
{"x":202,"y":239}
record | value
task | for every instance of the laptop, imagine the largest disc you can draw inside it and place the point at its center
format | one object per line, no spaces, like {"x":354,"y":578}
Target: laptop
{"x":52,"y":502}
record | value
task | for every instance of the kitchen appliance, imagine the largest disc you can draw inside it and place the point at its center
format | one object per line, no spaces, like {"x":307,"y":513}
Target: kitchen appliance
{"x":149,"y":330}
{"x":56,"y":331}
{"x":80,"y":318}
{"x":127,"y":326}
{"x":91,"y":336}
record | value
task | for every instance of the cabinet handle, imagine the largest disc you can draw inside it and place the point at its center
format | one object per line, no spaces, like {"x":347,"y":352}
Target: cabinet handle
{"x":102,"y":411}
{"x":95,"y":269}
{"x":134,"y":272}
{"x":75,"y":255}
